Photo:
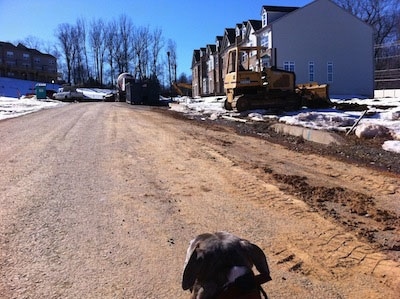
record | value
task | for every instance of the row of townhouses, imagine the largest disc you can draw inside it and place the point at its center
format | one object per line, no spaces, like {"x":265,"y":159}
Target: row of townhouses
{"x":24,"y":63}
{"x":320,"y":42}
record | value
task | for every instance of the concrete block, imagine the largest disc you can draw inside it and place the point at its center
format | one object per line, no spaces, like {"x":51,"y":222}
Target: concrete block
{"x":318,"y":136}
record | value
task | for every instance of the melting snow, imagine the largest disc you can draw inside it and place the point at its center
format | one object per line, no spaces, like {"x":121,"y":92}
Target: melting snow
{"x":382,"y":119}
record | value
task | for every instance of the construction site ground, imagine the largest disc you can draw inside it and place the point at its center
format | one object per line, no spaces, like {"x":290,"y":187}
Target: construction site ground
{"x":100,"y":200}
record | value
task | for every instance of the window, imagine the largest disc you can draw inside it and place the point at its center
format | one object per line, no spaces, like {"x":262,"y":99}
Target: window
{"x":264,"y":19}
{"x":205,"y":87}
{"x":330,"y":71}
{"x":237,"y":31}
{"x":10,"y":54}
{"x":211,"y":64}
{"x":288,"y":66}
{"x":244,"y":57}
{"x":265,"y":40}
{"x":265,"y":62}
{"x":311,"y":74}
{"x":25,"y":56}
{"x":37,"y":60}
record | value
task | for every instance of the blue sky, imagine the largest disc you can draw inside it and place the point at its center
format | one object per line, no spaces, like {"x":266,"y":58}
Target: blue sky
{"x":191,"y":24}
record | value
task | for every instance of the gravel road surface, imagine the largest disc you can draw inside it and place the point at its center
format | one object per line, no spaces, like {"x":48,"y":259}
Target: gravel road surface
{"x":100,"y":200}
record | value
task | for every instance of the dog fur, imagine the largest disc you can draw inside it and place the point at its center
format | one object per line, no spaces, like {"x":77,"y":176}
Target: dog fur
{"x":214,"y":260}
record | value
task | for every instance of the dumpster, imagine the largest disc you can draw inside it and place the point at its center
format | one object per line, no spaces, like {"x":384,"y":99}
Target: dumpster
{"x":143,"y":92}
{"x":40,"y":91}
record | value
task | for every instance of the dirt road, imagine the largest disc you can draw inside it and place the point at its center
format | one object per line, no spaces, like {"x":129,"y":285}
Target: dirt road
{"x":100,"y":200}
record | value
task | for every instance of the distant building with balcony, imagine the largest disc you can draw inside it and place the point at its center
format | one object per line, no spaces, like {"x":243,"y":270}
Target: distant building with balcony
{"x":20,"y":62}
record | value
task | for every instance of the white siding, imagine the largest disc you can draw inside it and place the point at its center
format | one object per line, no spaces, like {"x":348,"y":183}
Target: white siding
{"x":322,"y":32}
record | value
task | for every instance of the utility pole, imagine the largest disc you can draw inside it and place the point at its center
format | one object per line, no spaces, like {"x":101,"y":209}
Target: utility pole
{"x":169,"y":71}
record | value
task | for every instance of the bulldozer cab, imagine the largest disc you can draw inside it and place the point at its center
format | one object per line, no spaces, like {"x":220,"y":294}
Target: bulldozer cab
{"x":249,"y":85}
{"x":244,"y":70}
{"x":240,"y":70}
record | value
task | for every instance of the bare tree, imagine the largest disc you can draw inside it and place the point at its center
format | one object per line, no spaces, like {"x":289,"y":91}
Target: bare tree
{"x":383,"y":15}
{"x":183,"y":78}
{"x":141,"y":43}
{"x":116,"y":47}
{"x":157,"y":43}
{"x":82,"y":23}
{"x":171,"y":48}
{"x":111,"y":46}
{"x":124,"y":41}
{"x":97,"y":40}
{"x":32,"y":42}
{"x":64,"y":34}
{"x":80,"y":69}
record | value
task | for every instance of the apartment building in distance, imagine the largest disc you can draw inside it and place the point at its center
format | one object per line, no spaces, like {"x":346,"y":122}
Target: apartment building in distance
{"x":20,"y":62}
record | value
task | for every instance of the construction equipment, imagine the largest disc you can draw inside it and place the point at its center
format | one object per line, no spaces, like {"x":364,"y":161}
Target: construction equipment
{"x":183,"y":89}
{"x":247,"y":86}
{"x":314,"y":95}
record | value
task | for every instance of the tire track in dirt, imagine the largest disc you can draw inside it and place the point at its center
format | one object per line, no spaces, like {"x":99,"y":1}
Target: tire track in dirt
{"x":334,"y":249}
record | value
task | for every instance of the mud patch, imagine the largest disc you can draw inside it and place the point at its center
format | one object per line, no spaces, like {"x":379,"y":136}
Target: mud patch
{"x":355,"y":211}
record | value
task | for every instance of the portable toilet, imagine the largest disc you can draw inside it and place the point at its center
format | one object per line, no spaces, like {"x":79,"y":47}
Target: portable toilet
{"x":40,"y":91}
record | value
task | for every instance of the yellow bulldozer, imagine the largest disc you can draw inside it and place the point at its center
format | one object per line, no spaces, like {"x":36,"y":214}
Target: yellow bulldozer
{"x":247,"y":86}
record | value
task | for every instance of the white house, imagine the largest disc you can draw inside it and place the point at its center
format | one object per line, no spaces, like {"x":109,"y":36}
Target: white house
{"x":320,"y":42}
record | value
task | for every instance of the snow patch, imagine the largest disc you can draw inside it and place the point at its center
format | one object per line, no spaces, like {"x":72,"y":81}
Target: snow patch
{"x":392,"y":146}
{"x":13,"y":107}
{"x":369,"y":131}
{"x":382,"y":119}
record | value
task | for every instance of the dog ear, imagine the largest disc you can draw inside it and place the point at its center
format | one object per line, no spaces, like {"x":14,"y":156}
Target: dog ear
{"x":192,"y":266}
{"x":257,"y":257}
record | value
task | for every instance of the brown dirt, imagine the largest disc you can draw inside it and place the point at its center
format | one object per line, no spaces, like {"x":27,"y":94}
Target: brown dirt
{"x":100,"y":200}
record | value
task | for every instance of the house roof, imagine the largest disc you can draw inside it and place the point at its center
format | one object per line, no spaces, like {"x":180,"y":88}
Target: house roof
{"x":316,"y":2}
{"x":196,"y":57}
{"x":230,"y":34}
{"x":212,"y":48}
{"x":218,"y":41}
{"x":256,"y":24}
{"x":24,"y":48}
{"x":239,"y":25}
{"x":278,"y":8}
{"x":6,"y":44}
